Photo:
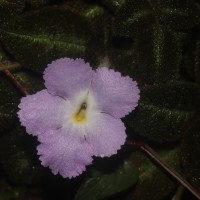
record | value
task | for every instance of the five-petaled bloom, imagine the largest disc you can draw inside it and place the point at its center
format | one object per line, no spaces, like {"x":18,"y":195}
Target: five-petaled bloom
{"x":78,"y":115}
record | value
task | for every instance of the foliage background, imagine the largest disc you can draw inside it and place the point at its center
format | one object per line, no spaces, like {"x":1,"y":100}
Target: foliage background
{"x":156,"y":42}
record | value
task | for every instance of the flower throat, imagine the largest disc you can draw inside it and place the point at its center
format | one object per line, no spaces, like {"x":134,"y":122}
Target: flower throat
{"x":80,"y":116}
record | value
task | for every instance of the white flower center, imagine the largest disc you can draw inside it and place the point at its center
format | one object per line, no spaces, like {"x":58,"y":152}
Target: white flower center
{"x":84,"y":110}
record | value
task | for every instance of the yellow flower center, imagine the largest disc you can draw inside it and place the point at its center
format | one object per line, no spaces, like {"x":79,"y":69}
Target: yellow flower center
{"x":80,"y":116}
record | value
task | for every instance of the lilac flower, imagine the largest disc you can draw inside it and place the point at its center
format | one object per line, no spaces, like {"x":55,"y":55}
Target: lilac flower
{"x":78,"y":115}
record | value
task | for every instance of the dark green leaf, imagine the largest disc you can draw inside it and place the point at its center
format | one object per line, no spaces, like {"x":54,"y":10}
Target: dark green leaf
{"x":112,"y":5}
{"x":187,"y":65}
{"x":36,"y":3}
{"x":17,"y":152}
{"x":133,"y":17}
{"x":165,"y":109}
{"x":7,"y":195}
{"x":10,"y":8}
{"x":191,"y":60}
{"x":122,"y":58}
{"x":100,"y":20}
{"x":88,"y":9}
{"x":9,"y":99}
{"x":10,"y":96}
{"x":179,"y":14}
{"x":3,"y":56}
{"x":191,"y":153}
{"x":157,"y":55}
{"x":102,"y":185}
{"x":30,"y":81}
{"x":153,"y":182}
{"x":197,"y":62}
{"x":39,"y":37}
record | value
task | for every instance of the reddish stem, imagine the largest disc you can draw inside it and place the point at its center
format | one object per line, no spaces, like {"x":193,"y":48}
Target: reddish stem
{"x":11,"y":66}
{"x":150,"y":152}
{"x":13,"y":79}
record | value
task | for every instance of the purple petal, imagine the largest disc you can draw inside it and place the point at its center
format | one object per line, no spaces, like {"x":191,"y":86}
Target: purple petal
{"x":106,"y":134}
{"x":41,"y":112}
{"x":115,"y":94}
{"x":65,"y":151}
{"x":67,"y":77}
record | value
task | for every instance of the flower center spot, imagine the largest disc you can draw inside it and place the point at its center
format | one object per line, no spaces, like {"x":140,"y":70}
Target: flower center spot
{"x":80,"y":116}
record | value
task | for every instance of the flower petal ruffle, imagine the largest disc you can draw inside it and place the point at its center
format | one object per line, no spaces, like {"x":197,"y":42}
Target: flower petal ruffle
{"x":41,"y":112}
{"x":106,"y":134}
{"x":66,"y":77}
{"x":115,"y":94}
{"x":64,"y":151}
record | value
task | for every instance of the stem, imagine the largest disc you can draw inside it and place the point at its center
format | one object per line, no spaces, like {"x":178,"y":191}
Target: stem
{"x":6,"y":71}
{"x":150,"y":152}
{"x":12,"y":66}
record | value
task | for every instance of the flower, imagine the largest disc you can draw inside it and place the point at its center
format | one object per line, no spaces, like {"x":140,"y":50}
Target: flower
{"x":78,"y":115}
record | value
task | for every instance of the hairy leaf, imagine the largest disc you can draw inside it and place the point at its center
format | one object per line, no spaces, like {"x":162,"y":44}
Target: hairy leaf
{"x":30,"y":81}
{"x":133,"y":17}
{"x":197,"y":62}
{"x":39,"y":37}
{"x":10,"y":8}
{"x":102,"y":185}
{"x":10,"y":96}
{"x":17,"y":157}
{"x":191,"y":153}
{"x":188,"y":62}
{"x":164,"y":110}
{"x":9,"y":99}
{"x":100,"y":21}
{"x":191,"y":60}
{"x":179,"y":14}
{"x":112,"y":5}
{"x":3,"y":56}
{"x":37,"y":3}
{"x":153,"y":182}
{"x":121,"y":56}
{"x":157,"y":55}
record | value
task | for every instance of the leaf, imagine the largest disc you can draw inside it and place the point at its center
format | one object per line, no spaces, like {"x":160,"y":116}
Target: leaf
{"x":38,"y":37}
{"x":31,"y":82}
{"x":10,"y":8}
{"x":133,"y":17}
{"x":10,"y":96}
{"x":153,"y":182}
{"x":121,"y":56}
{"x":191,"y":153}
{"x":191,"y":60}
{"x":165,"y":110}
{"x":102,"y":185}
{"x":112,"y":5}
{"x":9,"y":99}
{"x":17,"y":159}
{"x":157,"y":55}
{"x":3,"y":56}
{"x":197,"y":62}
{"x":179,"y":14}
{"x":188,"y":61}
{"x":37,"y":3}
{"x":100,"y":21}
